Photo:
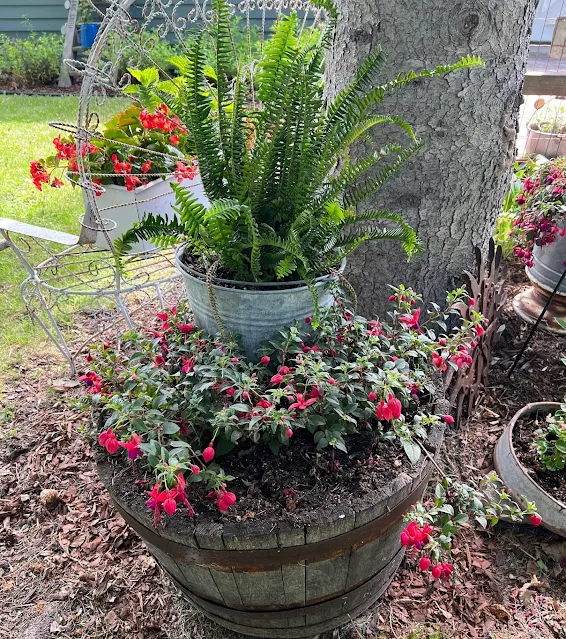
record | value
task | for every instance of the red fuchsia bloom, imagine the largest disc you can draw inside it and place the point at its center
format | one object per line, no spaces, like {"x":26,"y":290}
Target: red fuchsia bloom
{"x":234,"y":360}
{"x":442,"y":341}
{"x":535,"y":519}
{"x":479,"y":330}
{"x":180,"y":488}
{"x":415,"y":536}
{"x":195,"y":469}
{"x":167,"y":498}
{"x":159,"y":361}
{"x":153,"y":504}
{"x":411,"y":321}
{"x":225,"y":499}
{"x":230,"y":391}
{"x":289,"y":433}
{"x":424,"y":564}
{"x":109,"y":441}
{"x":284,"y":370}
{"x":439,"y":362}
{"x":471,"y":301}
{"x":436,"y":571}
{"x":521,"y":199}
{"x":461,"y":358}
{"x":375,"y":328}
{"x":265,"y":360}
{"x":448,"y":419}
{"x":308,"y":320}
{"x":132,"y":446}
{"x":276,"y":379}
{"x":208,"y":453}
{"x":331,"y":381}
{"x":390,"y":410}
{"x":392,"y":298}
{"x":185,"y":328}
{"x":263,"y":403}
{"x":92,"y":381}
{"x":301,"y":402}
{"x":372,"y":396}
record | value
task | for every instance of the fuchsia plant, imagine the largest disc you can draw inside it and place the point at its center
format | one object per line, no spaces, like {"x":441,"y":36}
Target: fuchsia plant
{"x":542,"y":215}
{"x":176,"y":399}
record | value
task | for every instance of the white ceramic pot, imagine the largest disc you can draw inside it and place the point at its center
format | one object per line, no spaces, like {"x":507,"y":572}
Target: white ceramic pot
{"x":551,"y":145}
{"x":125,"y":207}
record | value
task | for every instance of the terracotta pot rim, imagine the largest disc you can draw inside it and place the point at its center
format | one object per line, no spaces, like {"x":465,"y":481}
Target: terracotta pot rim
{"x":529,"y":409}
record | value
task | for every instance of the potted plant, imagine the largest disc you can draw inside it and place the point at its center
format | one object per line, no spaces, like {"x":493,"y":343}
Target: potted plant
{"x":530,"y":458}
{"x":133,"y":161}
{"x":273,"y":493}
{"x":87,"y":28}
{"x":274,"y":165}
{"x":539,"y":231}
{"x":546,"y":132}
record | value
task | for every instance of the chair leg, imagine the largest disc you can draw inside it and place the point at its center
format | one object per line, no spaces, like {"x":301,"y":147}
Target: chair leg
{"x":30,"y":290}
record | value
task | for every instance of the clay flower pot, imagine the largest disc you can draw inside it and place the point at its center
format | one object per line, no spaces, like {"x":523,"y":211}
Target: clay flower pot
{"x":516,"y":477}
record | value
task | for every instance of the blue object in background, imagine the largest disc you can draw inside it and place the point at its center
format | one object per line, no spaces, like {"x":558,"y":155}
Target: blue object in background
{"x":88,"y":34}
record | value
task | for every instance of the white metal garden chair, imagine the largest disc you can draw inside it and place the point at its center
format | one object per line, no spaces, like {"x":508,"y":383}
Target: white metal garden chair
{"x":80,"y":286}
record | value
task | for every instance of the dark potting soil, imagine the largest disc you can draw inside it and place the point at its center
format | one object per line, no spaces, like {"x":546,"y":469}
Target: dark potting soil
{"x":554,"y":483}
{"x":291,"y":485}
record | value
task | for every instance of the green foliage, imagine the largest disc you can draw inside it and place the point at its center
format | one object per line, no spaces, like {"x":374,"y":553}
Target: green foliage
{"x":281,"y":168}
{"x":31,"y":61}
{"x":550,"y":441}
{"x":551,"y":119}
{"x":504,"y":223}
{"x":346,"y":376}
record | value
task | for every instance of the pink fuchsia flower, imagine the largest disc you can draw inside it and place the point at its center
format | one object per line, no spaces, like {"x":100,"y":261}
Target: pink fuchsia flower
{"x":392,"y":298}
{"x":372,"y":396}
{"x":265,"y":360}
{"x":439,"y":362}
{"x":436,"y":571}
{"x":521,"y":199}
{"x":92,"y":381}
{"x":154,"y":504}
{"x":424,"y":564}
{"x":284,"y":370}
{"x":535,"y":519}
{"x":308,"y":320}
{"x":301,"y":402}
{"x":133,"y":446}
{"x":180,"y":487}
{"x":276,"y":379}
{"x":289,"y":433}
{"x":208,"y":453}
{"x":448,"y":419}
{"x":159,"y":361}
{"x":230,"y":391}
{"x":225,"y":499}
{"x":109,"y":441}
{"x":386,"y":411}
{"x":263,"y":403}
{"x":167,"y":498}
{"x":411,"y":321}
{"x":415,"y":536}
{"x":195,"y":469}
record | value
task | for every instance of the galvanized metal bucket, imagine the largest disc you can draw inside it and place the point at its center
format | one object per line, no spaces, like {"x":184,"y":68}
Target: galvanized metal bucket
{"x":549,"y":265}
{"x":253,"y":311}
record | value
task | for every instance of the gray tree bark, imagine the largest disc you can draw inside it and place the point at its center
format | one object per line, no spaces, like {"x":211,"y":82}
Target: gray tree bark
{"x":452,"y":190}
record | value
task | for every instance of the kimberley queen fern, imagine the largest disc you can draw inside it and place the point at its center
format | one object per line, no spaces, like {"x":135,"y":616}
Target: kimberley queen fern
{"x":274,"y":159}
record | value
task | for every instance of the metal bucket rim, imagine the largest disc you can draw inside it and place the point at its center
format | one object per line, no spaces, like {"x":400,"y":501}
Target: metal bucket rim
{"x":252,"y":287}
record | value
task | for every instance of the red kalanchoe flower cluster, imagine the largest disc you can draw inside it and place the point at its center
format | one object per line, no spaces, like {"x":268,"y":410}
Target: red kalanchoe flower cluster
{"x":162,"y":121}
{"x":185,"y":171}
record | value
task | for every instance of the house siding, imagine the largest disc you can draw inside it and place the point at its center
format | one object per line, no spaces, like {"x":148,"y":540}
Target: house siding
{"x":19,"y":18}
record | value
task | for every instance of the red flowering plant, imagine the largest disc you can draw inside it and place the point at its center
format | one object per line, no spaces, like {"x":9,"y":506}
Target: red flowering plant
{"x":430,"y":531}
{"x":135,"y":147}
{"x":541,"y":217}
{"x":176,"y":399}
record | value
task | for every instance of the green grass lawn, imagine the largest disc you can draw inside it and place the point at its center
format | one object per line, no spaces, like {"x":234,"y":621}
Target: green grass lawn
{"x":25,"y":135}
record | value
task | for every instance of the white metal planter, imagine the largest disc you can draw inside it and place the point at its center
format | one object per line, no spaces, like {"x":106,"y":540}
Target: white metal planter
{"x":123,"y":208}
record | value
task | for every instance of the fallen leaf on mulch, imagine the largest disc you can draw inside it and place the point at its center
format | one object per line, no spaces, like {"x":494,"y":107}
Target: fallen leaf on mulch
{"x":499,"y":612}
{"x":525,"y":592}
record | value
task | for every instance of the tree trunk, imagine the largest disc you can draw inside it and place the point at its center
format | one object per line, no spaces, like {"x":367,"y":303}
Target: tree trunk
{"x":452,"y":190}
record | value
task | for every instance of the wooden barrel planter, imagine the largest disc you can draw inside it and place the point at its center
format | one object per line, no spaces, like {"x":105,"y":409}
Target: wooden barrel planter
{"x":516,"y":477}
{"x":271,"y":579}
